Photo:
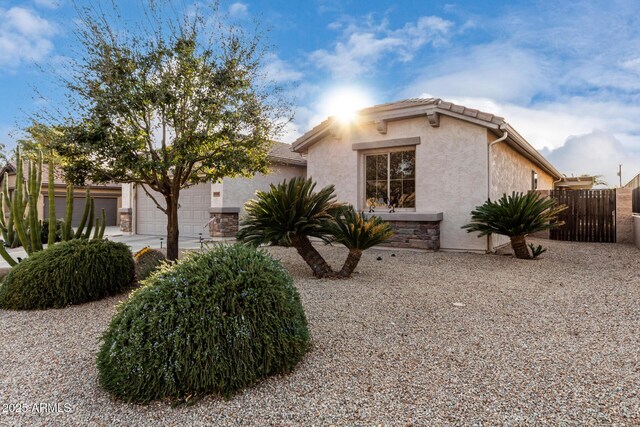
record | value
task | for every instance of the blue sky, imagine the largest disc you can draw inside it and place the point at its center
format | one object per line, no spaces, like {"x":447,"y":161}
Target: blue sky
{"x":566,"y":75}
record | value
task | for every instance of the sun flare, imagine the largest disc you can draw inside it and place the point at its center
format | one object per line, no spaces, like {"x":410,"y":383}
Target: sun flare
{"x":343,"y":103}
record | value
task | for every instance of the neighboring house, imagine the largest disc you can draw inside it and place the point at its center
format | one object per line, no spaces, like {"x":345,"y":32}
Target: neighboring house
{"x":106,"y":196}
{"x":208,"y":209}
{"x":584,"y":182}
{"x":430,"y":161}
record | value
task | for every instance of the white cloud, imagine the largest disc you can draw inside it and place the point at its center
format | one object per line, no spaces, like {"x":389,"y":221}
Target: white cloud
{"x":361,"y":47}
{"x":496,"y":71}
{"x":238,"y":10}
{"x":280,"y":71}
{"x":596,"y":153}
{"x":24,"y":36}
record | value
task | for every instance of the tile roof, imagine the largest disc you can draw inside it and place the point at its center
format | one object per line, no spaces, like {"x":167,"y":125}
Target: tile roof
{"x":438,"y":103}
{"x":281,"y":153}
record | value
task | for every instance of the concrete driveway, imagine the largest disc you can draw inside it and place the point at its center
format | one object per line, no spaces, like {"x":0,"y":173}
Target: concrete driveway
{"x":134,"y":241}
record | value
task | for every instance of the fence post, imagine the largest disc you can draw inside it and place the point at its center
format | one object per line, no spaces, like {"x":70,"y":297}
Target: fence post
{"x":624,"y":216}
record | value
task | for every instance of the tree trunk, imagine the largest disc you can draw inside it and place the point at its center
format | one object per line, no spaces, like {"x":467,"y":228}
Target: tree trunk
{"x":311,"y":256}
{"x":519,"y":245}
{"x":350,"y":263}
{"x":172,"y":228}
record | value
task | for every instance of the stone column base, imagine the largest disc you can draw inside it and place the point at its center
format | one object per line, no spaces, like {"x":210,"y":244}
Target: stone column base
{"x":224,"y":222}
{"x":126,"y":225}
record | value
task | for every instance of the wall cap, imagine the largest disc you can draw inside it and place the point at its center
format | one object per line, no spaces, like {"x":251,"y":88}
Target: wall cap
{"x":224,"y":209}
{"x":408,"y":216}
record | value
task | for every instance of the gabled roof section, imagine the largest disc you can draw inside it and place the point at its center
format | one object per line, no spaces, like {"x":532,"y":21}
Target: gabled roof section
{"x":407,"y":108}
{"x":281,"y":153}
{"x":432,"y":109}
{"x":8,"y":168}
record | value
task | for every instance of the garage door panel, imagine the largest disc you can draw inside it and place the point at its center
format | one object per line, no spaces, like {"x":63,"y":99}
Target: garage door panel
{"x":193,"y":213}
{"x":109,"y":204}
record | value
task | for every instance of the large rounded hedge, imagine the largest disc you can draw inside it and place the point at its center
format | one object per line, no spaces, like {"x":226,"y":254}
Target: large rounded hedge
{"x":66,"y":273}
{"x":212,"y":323}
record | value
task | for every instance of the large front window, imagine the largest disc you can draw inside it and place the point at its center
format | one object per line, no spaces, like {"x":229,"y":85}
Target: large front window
{"x":391,"y":180}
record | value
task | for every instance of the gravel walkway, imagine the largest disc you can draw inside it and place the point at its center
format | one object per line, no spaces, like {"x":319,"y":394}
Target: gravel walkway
{"x":547,"y":342}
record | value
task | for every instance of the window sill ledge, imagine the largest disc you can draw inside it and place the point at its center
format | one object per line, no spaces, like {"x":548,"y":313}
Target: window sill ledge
{"x":408,"y":216}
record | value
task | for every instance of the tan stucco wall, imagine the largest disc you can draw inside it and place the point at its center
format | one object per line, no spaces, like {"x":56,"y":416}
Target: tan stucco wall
{"x":511,"y":171}
{"x":235,"y":192}
{"x":451,"y":170}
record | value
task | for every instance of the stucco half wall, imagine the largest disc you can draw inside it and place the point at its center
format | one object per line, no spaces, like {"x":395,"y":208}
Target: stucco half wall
{"x":451,"y":170}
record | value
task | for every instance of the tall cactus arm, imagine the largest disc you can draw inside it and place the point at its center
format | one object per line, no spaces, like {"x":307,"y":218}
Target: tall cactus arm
{"x":67,"y":231}
{"x":87,"y":234}
{"x":11,"y":232}
{"x":4,"y":254}
{"x":85,"y":214}
{"x":18,"y":205}
{"x":35,"y":188}
{"x":96,"y":229}
{"x":3,"y":219}
{"x":52,"y":206}
{"x":103,"y":224}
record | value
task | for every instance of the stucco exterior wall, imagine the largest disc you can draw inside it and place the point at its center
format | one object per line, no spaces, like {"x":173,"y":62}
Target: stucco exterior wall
{"x":451,"y":170}
{"x":235,"y":192}
{"x":511,"y":171}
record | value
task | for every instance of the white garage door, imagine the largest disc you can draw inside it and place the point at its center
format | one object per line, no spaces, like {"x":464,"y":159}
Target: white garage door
{"x":193,"y":214}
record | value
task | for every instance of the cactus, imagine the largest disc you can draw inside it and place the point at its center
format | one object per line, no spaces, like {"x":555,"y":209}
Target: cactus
{"x":19,"y":205}
{"x":85,"y":214}
{"x":34,"y":186}
{"x":67,"y":231}
{"x":27,"y":228}
{"x":87,"y":233}
{"x":52,"y":206}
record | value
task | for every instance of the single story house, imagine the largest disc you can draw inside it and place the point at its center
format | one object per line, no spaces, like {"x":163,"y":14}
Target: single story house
{"x":207,"y":209}
{"x":105,"y":196}
{"x":424,"y":165}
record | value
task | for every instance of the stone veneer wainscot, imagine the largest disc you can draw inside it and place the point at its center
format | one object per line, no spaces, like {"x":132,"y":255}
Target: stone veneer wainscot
{"x":413,"y":230}
{"x":224,"y":221}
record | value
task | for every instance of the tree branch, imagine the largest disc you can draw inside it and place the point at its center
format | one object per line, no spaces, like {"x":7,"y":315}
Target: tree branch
{"x":153,"y":198}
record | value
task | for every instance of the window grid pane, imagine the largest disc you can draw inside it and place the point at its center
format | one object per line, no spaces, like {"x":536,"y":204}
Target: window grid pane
{"x":390,"y":179}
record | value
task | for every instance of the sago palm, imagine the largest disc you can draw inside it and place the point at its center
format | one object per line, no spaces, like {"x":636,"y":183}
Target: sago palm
{"x":516,"y":216}
{"x":357,"y":233}
{"x":288,"y":215}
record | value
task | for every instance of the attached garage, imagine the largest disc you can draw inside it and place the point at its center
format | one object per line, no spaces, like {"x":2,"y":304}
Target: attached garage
{"x":193,"y":214}
{"x":109,"y":204}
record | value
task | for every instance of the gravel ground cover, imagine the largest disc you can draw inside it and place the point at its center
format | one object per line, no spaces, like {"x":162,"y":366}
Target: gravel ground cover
{"x":413,"y":339}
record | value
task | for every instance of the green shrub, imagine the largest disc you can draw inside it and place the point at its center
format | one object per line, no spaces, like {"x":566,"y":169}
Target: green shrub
{"x":68,"y":273}
{"x":44,"y":231}
{"x":212,"y":323}
{"x":147,"y":261}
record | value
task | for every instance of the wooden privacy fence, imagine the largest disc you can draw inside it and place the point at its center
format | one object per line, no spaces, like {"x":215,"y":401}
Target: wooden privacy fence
{"x":590,"y":216}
